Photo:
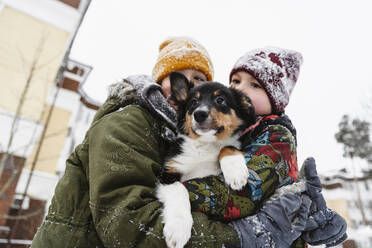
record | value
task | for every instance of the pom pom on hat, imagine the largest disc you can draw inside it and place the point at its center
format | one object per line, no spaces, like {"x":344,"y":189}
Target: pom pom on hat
{"x":180,"y":53}
{"x":276,"y":69}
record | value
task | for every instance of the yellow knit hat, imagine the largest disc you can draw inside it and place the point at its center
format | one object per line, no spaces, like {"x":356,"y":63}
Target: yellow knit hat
{"x":180,"y":53}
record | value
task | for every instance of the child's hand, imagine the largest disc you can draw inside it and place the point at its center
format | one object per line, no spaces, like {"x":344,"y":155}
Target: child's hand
{"x":278,"y":224}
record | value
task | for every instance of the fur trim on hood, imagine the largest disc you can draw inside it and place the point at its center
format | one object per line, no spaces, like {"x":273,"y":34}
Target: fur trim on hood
{"x":145,"y":92}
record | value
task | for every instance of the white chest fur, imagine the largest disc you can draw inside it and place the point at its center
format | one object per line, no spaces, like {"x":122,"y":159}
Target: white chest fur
{"x":200,"y":158}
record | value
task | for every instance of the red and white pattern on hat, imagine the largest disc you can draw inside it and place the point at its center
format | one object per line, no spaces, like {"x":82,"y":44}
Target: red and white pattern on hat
{"x":276,"y":69}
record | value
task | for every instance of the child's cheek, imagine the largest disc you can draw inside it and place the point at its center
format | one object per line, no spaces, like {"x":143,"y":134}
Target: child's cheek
{"x":262,"y":106}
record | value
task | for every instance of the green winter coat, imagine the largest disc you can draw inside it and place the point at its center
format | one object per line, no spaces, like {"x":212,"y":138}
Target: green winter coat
{"x":106,"y":197}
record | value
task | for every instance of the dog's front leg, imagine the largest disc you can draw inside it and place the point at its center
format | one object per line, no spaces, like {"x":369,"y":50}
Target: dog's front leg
{"x":177,"y":216}
{"x":233,"y":167}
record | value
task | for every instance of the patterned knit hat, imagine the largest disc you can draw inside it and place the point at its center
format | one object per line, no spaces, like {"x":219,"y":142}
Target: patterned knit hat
{"x":180,"y":53}
{"x":276,"y":69}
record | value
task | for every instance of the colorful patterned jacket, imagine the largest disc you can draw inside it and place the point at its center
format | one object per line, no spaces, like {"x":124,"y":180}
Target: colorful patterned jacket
{"x":270,"y":154}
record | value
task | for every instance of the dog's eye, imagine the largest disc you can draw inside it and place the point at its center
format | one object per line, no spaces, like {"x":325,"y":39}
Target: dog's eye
{"x":194,"y":102}
{"x":220,"y":100}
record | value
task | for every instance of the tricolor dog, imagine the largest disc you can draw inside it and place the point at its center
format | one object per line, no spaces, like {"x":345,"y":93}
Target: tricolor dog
{"x":211,"y":118}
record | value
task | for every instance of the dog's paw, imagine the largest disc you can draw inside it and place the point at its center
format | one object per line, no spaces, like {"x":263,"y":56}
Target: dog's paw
{"x":235,"y":171}
{"x":177,"y":231}
{"x":177,"y":216}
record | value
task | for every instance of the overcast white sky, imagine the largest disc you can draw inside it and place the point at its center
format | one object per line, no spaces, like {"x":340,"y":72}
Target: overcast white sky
{"x":121,"y":38}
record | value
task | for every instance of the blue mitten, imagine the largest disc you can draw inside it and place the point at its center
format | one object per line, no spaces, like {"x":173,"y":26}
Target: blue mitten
{"x":277,"y":224}
{"x":324,"y":225}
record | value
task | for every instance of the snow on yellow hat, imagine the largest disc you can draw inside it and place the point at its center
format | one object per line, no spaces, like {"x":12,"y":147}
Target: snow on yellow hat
{"x":180,"y":53}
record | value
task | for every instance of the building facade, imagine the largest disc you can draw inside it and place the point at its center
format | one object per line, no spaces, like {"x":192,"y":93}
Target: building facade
{"x":35,"y":35}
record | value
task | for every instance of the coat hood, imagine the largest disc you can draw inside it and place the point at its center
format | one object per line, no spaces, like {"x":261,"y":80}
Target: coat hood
{"x":144,"y":91}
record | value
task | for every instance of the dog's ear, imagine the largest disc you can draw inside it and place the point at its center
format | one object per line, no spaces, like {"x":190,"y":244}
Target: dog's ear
{"x":180,"y":87}
{"x":245,"y":105}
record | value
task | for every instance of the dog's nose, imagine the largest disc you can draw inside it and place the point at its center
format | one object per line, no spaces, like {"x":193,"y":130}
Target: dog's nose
{"x":200,"y":115}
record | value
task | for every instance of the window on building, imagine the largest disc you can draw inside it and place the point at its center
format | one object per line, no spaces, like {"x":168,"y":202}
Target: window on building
{"x":18,"y":200}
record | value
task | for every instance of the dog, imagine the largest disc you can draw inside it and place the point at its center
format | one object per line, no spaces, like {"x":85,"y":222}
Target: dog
{"x":211,"y":119}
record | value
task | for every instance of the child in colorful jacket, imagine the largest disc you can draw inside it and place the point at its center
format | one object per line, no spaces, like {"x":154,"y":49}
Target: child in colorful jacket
{"x":268,"y":77}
